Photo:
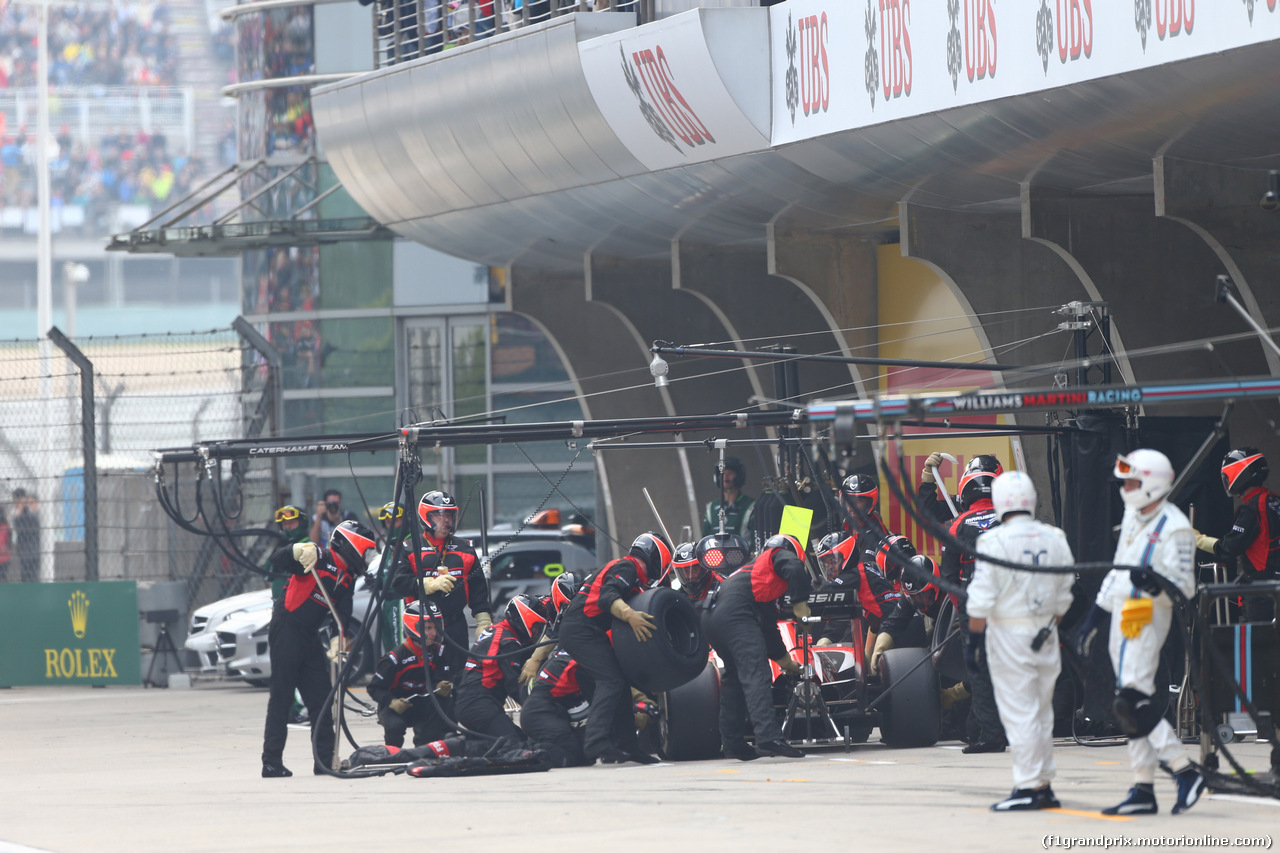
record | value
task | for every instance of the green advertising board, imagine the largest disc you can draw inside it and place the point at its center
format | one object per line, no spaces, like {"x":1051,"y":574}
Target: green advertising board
{"x":69,"y":633}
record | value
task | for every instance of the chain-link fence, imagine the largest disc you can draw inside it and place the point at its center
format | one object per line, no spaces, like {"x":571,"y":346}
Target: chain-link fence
{"x":148,"y":392}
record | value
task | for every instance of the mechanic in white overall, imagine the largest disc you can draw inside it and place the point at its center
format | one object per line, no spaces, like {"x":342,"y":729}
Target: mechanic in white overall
{"x":1156,"y":537}
{"x":1013,"y":619}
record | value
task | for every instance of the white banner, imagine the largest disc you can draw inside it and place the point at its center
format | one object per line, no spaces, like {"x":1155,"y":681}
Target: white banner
{"x":658,"y":87}
{"x":842,"y":64}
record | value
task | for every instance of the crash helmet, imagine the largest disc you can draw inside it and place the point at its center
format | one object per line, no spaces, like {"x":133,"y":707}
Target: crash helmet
{"x":863,"y":488}
{"x":293,"y":523}
{"x":1153,"y":471}
{"x":416,"y":621}
{"x":654,"y":554}
{"x":1243,"y":469}
{"x":682,"y":558}
{"x":525,"y":615}
{"x":1013,"y":491}
{"x":919,"y":586}
{"x":902,"y":546}
{"x":437,"y":501}
{"x":975,"y":482}
{"x":353,"y":544}
{"x":734,"y":464}
{"x":785,"y":541}
{"x":831,"y":560}
{"x":563,"y":588}
{"x":722,"y":553}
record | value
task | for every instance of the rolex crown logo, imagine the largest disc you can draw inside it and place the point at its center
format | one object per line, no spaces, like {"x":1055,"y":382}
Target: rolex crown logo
{"x":79,"y":606}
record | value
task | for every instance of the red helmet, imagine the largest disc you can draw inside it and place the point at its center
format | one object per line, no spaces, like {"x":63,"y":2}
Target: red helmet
{"x":861,"y":486}
{"x":415,"y":623}
{"x":829,"y":559}
{"x":437,"y":501}
{"x":979,"y":474}
{"x":353,"y":544}
{"x":563,"y":588}
{"x":904,"y":549}
{"x":784,"y":540}
{"x":1242,"y":469}
{"x":654,"y":555}
{"x":526,"y":616}
{"x":918,"y":586}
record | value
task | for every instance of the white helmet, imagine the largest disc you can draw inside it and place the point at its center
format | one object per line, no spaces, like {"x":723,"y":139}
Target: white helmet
{"x":1013,"y":491}
{"x":1154,"y":474}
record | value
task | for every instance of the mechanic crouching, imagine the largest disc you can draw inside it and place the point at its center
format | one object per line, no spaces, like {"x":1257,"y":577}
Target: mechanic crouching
{"x":297,"y":657}
{"x":399,"y":685}
{"x":742,"y":626}
{"x":610,"y":731}
{"x":492,"y":673}
{"x":554,"y":714}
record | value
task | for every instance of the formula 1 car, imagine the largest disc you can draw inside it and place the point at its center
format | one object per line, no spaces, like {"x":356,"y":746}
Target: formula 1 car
{"x":835,"y":700}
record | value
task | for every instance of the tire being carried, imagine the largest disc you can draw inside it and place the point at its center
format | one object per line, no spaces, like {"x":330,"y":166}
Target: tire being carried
{"x":690,"y":718}
{"x":911,"y":715}
{"x":675,"y":654}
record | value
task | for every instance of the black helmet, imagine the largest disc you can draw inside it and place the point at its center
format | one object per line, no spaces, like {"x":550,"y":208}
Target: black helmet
{"x":829,"y":559}
{"x":654,"y":554}
{"x":437,"y":501}
{"x":919,"y":586}
{"x":413,"y":620}
{"x":1242,"y":469}
{"x":525,"y":615}
{"x":904,"y":549}
{"x":563,"y":588}
{"x":723,"y":554}
{"x":861,"y":486}
{"x":784,"y":540}
{"x":734,"y":464}
{"x":979,"y":474}
{"x":684,"y":565}
{"x":353,"y":544}
{"x":293,"y":523}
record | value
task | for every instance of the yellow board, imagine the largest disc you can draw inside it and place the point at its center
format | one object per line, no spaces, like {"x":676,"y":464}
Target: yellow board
{"x":795,"y":522}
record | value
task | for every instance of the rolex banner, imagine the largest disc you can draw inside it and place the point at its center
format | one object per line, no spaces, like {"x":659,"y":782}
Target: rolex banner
{"x":69,"y":633}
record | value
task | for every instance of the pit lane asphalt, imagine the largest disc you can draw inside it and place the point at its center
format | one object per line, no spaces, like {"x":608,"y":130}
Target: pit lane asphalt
{"x":133,"y":769}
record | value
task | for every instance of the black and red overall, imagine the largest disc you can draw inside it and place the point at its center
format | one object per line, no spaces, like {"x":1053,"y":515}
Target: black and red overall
{"x":488,"y":681}
{"x":559,"y":699}
{"x":298,"y":659}
{"x":470,"y":589}
{"x":742,"y":626}
{"x":399,"y":674}
{"x":1254,"y":543}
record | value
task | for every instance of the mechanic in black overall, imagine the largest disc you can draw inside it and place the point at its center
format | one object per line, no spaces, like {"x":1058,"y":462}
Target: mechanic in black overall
{"x":1254,"y":539}
{"x":977,"y":514}
{"x":742,"y":625}
{"x":554,"y":714}
{"x":610,"y":732}
{"x":844,"y":572}
{"x":449,"y":573}
{"x":399,"y":686}
{"x":492,"y":673}
{"x":297,"y":657}
{"x":919,"y":599}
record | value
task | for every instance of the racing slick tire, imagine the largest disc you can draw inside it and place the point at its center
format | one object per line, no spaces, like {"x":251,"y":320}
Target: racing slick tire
{"x":689,"y":718}
{"x":911,"y":715}
{"x":951,"y":663}
{"x":677,"y":651}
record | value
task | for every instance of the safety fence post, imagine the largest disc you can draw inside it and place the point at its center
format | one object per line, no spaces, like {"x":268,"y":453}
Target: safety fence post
{"x":88,"y":439}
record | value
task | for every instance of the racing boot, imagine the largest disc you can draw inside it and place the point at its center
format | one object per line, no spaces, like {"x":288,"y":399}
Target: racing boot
{"x":275,"y":771}
{"x":780,"y":748}
{"x":741,"y":751}
{"x":1021,"y":800}
{"x":1141,"y":800}
{"x":1190,"y":787}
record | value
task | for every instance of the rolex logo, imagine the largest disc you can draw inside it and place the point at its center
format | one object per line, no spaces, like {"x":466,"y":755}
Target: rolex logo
{"x":79,"y":606}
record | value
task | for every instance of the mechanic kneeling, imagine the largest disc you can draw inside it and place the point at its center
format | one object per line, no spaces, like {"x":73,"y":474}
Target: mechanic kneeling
{"x":399,"y":685}
{"x":554,"y":714}
{"x":742,"y":625}
{"x":610,"y":732}
{"x":492,"y":673}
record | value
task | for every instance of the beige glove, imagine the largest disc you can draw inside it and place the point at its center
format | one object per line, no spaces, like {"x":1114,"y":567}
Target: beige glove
{"x":801,"y":609}
{"x":307,"y":554}
{"x":884,"y":642}
{"x":641,"y":623}
{"x":337,"y":645}
{"x":438,"y":583}
{"x":1135,"y":614}
{"x":1205,"y":543}
{"x":788,"y":665}
{"x":930,"y":467}
{"x":825,"y":641}
{"x":399,"y":705}
{"x":443,"y":688}
{"x":483,"y":621}
{"x":529,"y":671}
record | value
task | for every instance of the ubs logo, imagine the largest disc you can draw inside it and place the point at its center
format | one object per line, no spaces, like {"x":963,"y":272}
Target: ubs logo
{"x":976,"y":47}
{"x":888,"y":67}
{"x":1070,"y":30}
{"x":648,"y":75}
{"x":1172,"y":17}
{"x":809,"y":85}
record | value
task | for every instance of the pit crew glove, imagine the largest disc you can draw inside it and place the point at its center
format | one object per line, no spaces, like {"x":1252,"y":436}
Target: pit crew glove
{"x":398,"y":705}
{"x":788,"y":665}
{"x":824,"y":641}
{"x":437,"y":583}
{"x":336,"y":647}
{"x":884,"y":642}
{"x":307,"y":554}
{"x":1205,"y":543}
{"x":1145,"y":580}
{"x":443,"y":688}
{"x":1135,"y":615}
{"x":801,"y":609}
{"x":975,"y":651}
{"x":930,"y":467}
{"x":529,"y":671}
{"x":483,"y":621}
{"x":643,"y":710}
{"x":641,"y":623}
{"x":1096,"y":623}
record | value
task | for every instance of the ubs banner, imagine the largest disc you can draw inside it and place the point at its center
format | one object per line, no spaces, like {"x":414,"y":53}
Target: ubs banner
{"x":69,"y":633}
